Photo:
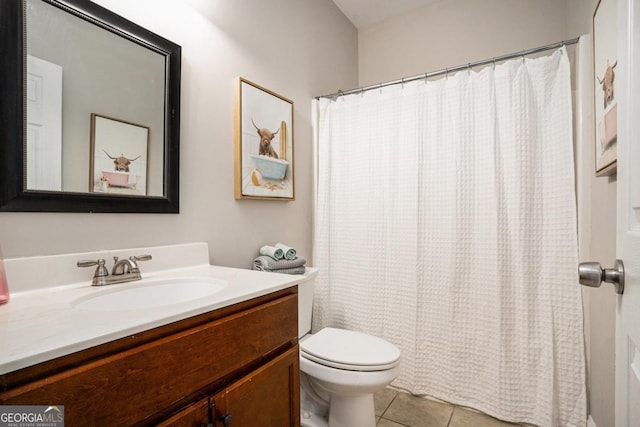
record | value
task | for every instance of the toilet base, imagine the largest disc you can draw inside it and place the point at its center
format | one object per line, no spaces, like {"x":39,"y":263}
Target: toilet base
{"x":342,"y":410}
{"x":313,"y":407}
{"x":345,"y":411}
{"x":352,"y":411}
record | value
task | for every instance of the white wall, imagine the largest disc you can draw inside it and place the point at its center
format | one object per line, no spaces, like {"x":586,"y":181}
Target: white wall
{"x":455,"y":32}
{"x":599,"y":231}
{"x":297,"y":48}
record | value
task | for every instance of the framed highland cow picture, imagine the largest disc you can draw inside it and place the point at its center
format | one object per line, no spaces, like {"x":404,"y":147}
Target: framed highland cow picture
{"x":263,"y":143}
{"x":118,"y":157}
{"x":605,"y":61}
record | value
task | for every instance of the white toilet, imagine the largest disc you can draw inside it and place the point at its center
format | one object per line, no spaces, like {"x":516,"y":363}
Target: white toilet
{"x":340,"y":369}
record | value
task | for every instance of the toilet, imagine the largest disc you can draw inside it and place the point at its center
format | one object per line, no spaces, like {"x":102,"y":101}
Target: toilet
{"x":340,"y":370}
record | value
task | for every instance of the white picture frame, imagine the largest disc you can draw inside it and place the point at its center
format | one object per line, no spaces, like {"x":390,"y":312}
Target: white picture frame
{"x":119,"y":156}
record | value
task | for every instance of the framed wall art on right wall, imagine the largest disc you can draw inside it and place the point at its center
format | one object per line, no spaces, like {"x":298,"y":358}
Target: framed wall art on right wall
{"x":605,"y":60}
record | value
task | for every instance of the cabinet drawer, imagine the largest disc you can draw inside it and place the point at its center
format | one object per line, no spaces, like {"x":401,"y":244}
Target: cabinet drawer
{"x":133,"y":385}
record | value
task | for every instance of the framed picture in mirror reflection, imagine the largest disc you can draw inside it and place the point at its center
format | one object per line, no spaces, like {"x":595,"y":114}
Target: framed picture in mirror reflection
{"x":119,"y":156}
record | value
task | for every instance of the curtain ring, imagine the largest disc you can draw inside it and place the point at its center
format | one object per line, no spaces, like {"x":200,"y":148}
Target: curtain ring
{"x":494,"y":63}
{"x":380,"y":88}
{"x":361,"y":92}
{"x":426,"y":76}
{"x":446,"y":73}
{"x":469,"y":68}
{"x":340,"y":94}
{"x":402,"y":82}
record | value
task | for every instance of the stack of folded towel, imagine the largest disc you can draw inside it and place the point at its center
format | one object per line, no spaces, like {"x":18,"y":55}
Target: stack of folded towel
{"x":279,"y":259}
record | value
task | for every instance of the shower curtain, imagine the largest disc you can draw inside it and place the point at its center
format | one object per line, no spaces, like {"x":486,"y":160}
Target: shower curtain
{"x":445,"y":222}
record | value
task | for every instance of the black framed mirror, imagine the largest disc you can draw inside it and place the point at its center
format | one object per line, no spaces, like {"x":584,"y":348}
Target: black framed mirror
{"x":89,"y":111}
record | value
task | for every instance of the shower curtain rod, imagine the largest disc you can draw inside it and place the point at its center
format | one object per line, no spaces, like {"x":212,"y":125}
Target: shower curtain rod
{"x":450,"y":70}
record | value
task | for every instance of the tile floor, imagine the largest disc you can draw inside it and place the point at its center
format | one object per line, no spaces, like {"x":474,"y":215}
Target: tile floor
{"x":399,"y":409}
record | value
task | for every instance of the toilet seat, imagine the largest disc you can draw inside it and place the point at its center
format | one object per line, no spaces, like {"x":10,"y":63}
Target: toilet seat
{"x":350,"y":350}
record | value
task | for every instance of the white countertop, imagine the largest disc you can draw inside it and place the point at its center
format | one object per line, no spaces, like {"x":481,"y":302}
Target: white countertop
{"x":42,"y":324}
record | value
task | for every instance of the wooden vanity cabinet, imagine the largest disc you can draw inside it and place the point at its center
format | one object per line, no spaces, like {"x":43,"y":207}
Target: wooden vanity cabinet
{"x":240,"y":362}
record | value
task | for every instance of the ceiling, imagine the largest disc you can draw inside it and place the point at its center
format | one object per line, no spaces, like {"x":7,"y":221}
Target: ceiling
{"x":363,"y":13}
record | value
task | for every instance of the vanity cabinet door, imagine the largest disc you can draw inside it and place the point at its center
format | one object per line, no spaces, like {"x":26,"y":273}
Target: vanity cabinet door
{"x":267,"y":397}
{"x":196,"y":415}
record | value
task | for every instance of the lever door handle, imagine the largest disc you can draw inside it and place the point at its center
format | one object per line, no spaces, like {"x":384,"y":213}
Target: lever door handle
{"x":592,"y":274}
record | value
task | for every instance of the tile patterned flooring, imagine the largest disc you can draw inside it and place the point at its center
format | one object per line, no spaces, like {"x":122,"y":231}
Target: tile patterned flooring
{"x":399,"y":409}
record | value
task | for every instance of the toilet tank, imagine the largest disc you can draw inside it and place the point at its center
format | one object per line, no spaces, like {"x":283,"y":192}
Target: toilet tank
{"x":306,"y":286}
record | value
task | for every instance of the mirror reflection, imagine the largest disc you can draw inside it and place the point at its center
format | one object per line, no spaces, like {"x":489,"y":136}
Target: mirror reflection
{"x":95,"y":108}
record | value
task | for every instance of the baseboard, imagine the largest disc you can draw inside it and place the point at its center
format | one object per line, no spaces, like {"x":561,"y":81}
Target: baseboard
{"x":590,"y":422}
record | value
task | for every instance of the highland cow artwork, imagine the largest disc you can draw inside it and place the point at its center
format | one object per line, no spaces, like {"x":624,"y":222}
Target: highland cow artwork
{"x":263,"y":144}
{"x":119,"y":156}
{"x":605,"y":68}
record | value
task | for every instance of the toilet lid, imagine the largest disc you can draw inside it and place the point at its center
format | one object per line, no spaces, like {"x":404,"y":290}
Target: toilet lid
{"x":339,"y":348}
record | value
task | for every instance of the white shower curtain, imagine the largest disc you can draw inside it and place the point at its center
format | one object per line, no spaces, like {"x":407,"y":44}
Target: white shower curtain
{"x":445,"y":223}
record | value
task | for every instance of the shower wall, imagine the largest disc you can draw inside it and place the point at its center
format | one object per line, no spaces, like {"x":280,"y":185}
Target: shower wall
{"x":455,"y":32}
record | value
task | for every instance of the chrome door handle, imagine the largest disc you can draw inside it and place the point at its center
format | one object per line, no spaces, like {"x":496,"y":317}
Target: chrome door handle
{"x":592,"y":274}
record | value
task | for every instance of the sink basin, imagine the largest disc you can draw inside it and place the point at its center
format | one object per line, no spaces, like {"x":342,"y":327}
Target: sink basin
{"x":152,"y":294}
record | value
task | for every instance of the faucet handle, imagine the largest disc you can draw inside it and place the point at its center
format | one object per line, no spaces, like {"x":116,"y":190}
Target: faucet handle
{"x":89,"y":262}
{"x":145,"y":257}
{"x":100,"y":271}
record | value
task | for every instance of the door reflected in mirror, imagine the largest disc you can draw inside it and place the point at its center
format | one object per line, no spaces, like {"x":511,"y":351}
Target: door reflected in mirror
{"x":44,"y":125}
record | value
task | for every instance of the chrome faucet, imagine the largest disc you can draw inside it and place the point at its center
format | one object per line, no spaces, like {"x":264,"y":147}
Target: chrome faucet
{"x":124,"y":270}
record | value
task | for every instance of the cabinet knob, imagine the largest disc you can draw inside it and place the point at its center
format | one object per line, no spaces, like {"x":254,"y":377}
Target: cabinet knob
{"x":226,"y":420}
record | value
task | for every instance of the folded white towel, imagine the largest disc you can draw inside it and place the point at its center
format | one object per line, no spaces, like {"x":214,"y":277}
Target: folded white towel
{"x":289,"y":252}
{"x":273,"y":252}
{"x":266,"y":263}
{"x":296,"y":270}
